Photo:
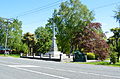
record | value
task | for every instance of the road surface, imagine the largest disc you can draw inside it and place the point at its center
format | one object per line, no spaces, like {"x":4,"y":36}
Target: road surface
{"x":19,"y":68}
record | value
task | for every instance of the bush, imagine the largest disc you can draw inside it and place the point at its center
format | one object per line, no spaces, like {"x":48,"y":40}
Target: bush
{"x":24,"y":49}
{"x":96,"y":57}
{"x":90,"y":56}
{"x":113,"y":57}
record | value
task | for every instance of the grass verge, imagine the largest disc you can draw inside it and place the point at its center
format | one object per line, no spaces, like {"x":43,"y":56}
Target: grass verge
{"x":100,"y":63}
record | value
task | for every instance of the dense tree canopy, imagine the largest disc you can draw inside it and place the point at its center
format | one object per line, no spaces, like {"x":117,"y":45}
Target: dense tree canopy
{"x":44,"y":39}
{"x":11,"y":28}
{"x":70,"y":18}
{"x":75,"y":30}
{"x":114,"y":41}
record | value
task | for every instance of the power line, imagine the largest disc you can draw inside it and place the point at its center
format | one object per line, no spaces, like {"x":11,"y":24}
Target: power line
{"x":103,"y":6}
{"x":57,"y":3}
{"x":39,"y":8}
{"x":54,"y":4}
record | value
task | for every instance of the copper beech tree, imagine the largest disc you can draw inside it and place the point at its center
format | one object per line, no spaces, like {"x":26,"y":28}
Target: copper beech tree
{"x":92,"y":39}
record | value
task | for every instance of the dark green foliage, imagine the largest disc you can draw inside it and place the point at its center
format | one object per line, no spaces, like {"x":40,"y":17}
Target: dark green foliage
{"x":69,"y":19}
{"x":114,"y":42}
{"x":75,"y":30}
{"x":12,"y":28}
{"x":24,"y":49}
{"x":113,"y":57}
{"x":44,"y":39}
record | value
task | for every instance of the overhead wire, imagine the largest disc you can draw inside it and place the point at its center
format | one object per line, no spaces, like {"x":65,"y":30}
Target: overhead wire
{"x":39,"y":8}
{"x":56,"y":3}
{"x":103,"y":6}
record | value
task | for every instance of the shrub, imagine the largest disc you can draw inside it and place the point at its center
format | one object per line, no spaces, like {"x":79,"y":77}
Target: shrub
{"x":113,"y":57}
{"x":90,"y":56}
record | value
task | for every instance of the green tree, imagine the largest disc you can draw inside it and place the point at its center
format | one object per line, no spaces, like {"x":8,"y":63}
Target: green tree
{"x":11,"y":30}
{"x":43,"y":36}
{"x":2,"y":32}
{"x":112,"y":53}
{"x":15,"y":35}
{"x":24,"y":49}
{"x":114,"y":41}
{"x":30,"y":40}
{"x":72,"y":17}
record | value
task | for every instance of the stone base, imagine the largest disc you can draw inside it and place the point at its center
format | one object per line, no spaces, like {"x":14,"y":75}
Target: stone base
{"x":56,"y":54}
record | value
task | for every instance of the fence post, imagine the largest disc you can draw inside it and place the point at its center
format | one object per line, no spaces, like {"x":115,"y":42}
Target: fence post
{"x":27,"y":55}
{"x":49,"y":56}
{"x":21,"y":55}
{"x":60,"y":57}
{"x":33,"y":55}
{"x":40,"y":54}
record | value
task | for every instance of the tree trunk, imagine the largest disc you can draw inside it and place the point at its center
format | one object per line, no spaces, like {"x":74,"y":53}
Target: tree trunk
{"x":118,"y":57}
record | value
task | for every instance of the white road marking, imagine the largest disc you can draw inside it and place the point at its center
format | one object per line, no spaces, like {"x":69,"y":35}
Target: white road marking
{"x":42,"y":73}
{"x":109,"y":76}
{"x":22,"y":66}
{"x":28,"y":70}
{"x":62,"y":70}
{"x":82,"y":72}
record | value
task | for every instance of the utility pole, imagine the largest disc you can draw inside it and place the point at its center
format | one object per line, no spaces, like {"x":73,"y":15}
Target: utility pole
{"x":6,"y":38}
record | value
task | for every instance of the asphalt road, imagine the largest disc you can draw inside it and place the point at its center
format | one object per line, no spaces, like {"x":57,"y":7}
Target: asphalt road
{"x":18,"y":68}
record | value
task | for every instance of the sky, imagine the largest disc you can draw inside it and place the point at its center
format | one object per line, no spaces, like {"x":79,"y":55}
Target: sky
{"x":35,"y":13}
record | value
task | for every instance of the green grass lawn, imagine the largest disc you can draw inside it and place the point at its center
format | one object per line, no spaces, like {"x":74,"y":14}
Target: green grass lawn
{"x":11,"y":55}
{"x":100,"y":63}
